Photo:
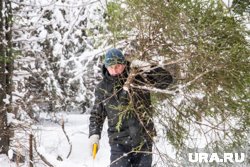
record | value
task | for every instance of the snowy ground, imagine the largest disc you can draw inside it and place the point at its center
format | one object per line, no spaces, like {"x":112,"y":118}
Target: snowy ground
{"x":52,"y":143}
{"x":55,"y":143}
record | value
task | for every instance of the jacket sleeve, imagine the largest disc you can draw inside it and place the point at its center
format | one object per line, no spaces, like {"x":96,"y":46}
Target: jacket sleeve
{"x":159,"y":78}
{"x":98,"y":114}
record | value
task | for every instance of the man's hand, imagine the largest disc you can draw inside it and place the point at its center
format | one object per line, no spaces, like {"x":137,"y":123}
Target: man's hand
{"x":94,"y":139}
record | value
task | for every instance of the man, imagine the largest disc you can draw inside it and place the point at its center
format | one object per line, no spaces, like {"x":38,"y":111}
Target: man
{"x":129,"y":112}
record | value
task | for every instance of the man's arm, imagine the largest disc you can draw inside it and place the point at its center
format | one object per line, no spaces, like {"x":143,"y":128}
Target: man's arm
{"x":97,"y":115}
{"x":159,"y":78}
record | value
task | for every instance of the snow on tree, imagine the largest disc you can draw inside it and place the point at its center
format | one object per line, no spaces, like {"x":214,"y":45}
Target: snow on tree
{"x":57,"y":53}
{"x":6,"y":73}
{"x":57,"y":56}
{"x":204,"y":44}
{"x":58,"y":47}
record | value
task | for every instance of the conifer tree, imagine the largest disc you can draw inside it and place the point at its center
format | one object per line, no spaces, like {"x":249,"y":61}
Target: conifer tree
{"x":204,"y":45}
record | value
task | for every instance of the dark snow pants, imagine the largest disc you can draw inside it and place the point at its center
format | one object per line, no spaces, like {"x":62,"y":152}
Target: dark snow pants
{"x":120,"y":156}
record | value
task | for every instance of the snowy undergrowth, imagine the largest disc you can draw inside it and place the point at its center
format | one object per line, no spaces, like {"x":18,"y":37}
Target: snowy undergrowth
{"x":52,"y":143}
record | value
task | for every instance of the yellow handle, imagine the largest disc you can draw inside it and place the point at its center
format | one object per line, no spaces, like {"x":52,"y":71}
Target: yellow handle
{"x":94,"y":151}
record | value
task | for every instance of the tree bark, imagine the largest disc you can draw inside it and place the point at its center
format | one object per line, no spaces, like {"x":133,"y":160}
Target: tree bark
{"x":6,"y":70}
{"x":31,"y":151}
{"x":9,"y":54}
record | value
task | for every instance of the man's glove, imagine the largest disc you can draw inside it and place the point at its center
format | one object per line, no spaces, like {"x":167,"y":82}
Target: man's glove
{"x":94,"y":139}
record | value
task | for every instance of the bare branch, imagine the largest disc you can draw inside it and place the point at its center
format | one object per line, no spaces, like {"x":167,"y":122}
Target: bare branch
{"x":65,"y":133}
{"x":41,"y":156}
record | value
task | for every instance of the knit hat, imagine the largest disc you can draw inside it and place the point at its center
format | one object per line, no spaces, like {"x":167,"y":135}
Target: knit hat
{"x":114,"y":56}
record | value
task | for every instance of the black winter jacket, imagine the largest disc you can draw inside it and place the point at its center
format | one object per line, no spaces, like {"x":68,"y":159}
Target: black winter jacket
{"x":129,"y":120}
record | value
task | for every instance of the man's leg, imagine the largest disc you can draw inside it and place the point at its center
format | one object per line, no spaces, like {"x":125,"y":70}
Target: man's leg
{"x":119,"y":157}
{"x":143,"y":159}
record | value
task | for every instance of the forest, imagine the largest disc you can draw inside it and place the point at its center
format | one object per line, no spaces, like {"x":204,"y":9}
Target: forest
{"x":51,"y":56}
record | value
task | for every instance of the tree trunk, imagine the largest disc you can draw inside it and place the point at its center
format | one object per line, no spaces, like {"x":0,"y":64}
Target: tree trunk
{"x":6,"y":70}
{"x":9,"y":54}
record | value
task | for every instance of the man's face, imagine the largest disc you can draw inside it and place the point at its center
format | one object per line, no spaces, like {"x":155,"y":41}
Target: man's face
{"x":116,"y":69}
